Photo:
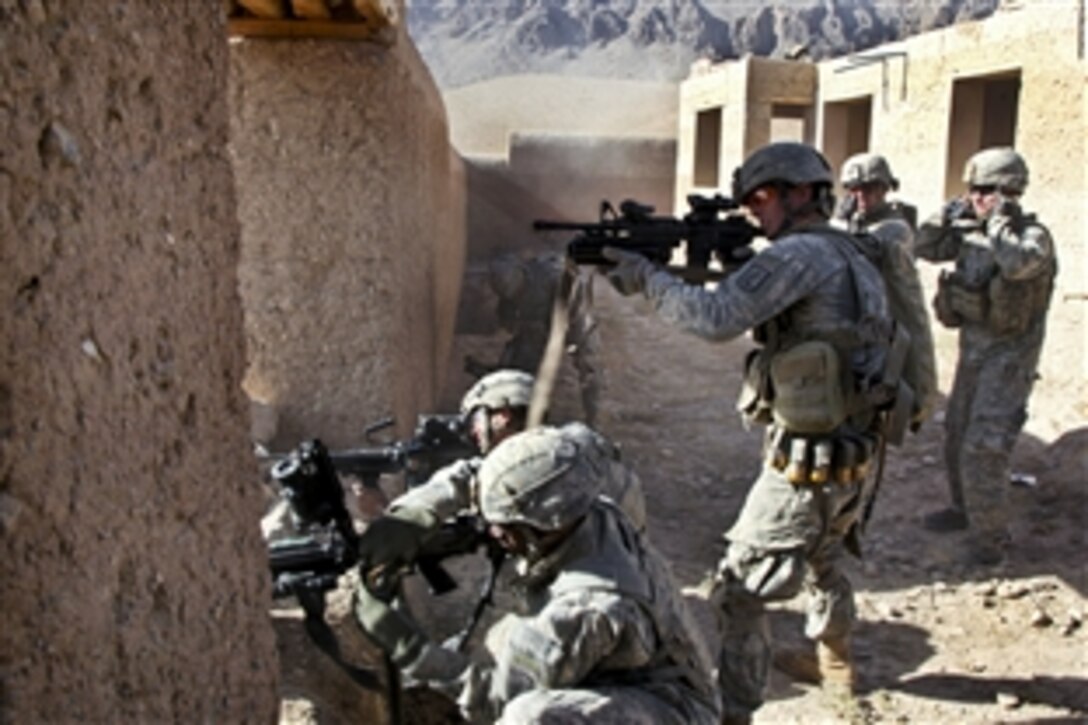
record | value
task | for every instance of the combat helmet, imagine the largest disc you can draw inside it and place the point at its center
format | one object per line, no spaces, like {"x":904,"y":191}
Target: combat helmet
{"x":867,"y":168}
{"x":1001,"y":167}
{"x":786,"y":161}
{"x":540,"y":478}
{"x":499,"y":389}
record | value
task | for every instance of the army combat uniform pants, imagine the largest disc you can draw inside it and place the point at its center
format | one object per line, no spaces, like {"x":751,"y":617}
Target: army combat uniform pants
{"x":986,"y":411}
{"x":787,"y":538}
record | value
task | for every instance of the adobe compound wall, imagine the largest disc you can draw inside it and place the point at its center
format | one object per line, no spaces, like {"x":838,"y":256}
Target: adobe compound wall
{"x":131,"y":590}
{"x":352,"y":206}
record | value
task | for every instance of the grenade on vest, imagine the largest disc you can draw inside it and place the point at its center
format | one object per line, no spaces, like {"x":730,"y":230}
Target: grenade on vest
{"x":846,"y":460}
{"x":821,"y":462}
{"x":866,"y":448}
{"x":797,"y":467}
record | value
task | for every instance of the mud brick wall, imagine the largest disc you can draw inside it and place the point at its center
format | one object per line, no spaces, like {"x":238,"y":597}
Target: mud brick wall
{"x":130,"y":586}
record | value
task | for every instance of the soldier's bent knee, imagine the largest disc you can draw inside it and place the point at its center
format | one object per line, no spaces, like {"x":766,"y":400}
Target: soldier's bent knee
{"x":766,"y":575}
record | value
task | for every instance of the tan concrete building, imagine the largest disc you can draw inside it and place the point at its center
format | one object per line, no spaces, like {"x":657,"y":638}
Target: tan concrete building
{"x":1017,"y":78}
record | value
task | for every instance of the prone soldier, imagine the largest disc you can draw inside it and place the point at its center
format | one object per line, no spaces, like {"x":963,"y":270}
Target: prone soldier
{"x":997,"y":297}
{"x":820,"y":381}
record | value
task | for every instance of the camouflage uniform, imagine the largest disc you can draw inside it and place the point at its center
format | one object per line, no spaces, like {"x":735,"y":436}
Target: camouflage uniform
{"x":998,"y":297}
{"x":810,"y":284}
{"x":606,"y":636}
{"x":885,"y":235}
{"x":526,"y":289}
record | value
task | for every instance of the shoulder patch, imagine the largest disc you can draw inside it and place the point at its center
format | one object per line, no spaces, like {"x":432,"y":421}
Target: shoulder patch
{"x":754,"y":275}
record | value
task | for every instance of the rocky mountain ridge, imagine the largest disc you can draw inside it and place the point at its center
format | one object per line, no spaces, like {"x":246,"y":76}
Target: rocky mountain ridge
{"x":465,"y":41}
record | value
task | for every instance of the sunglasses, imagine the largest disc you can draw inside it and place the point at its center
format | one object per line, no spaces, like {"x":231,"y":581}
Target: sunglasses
{"x":985,"y":189}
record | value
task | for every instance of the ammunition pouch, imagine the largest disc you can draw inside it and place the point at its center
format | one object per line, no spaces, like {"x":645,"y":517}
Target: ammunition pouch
{"x":810,"y":394}
{"x":1016,"y":305}
{"x":817,"y":460}
{"x":957,"y":303}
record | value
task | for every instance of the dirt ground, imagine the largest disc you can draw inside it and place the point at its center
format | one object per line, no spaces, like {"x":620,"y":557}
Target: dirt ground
{"x":936,"y":642}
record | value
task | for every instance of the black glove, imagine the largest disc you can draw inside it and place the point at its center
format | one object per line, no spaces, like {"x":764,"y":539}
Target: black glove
{"x":390,"y":541}
{"x":956,"y":209}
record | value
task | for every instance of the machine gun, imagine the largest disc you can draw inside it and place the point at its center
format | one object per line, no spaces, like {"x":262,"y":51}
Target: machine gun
{"x":712,"y":230}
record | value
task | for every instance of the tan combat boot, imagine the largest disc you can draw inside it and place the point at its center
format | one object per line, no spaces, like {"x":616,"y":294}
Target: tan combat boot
{"x":836,"y":664}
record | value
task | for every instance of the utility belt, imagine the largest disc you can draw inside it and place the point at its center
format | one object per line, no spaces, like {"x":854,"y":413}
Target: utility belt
{"x":845,"y":458}
{"x":809,"y":392}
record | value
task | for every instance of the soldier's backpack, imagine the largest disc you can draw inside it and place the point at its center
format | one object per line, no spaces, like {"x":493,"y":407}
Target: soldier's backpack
{"x":908,"y":307}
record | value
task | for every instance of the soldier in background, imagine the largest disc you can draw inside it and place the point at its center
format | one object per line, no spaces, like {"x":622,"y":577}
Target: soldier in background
{"x":997,"y":297}
{"x":606,"y":636}
{"x":526,"y":289}
{"x":867,"y":180}
{"x":885,"y":230}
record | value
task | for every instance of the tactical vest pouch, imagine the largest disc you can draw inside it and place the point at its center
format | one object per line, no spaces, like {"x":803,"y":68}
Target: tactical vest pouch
{"x":809,"y":391}
{"x":957,"y":303}
{"x":1015,"y":305}
{"x":754,"y":401}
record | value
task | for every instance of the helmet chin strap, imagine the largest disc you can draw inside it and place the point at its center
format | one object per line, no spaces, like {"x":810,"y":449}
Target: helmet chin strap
{"x":821,"y":203}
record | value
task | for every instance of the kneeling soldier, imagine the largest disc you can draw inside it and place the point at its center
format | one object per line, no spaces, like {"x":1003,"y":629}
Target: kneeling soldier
{"x":606,"y":637}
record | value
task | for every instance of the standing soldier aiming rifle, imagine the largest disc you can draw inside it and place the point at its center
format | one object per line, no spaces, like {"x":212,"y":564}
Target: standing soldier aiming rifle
{"x":997,"y":297}
{"x":819,"y":380}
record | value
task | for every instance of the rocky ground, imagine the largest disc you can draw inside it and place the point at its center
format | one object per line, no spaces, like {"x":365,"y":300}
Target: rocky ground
{"x":936,"y":642}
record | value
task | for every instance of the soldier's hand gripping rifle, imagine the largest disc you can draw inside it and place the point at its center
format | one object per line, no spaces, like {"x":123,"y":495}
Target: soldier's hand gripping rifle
{"x":713,"y":229}
{"x":309,"y":565}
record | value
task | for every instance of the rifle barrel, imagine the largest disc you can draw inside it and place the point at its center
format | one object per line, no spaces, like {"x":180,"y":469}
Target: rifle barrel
{"x":544,"y":225}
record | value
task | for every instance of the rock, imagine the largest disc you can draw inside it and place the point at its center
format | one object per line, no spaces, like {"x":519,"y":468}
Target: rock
{"x":1013,"y":590}
{"x":1040,"y":618}
{"x":1072,"y":622}
{"x":57,"y":146}
{"x":1008,"y":700}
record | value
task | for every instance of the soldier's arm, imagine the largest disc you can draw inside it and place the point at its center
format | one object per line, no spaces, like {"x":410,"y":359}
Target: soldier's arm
{"x":1022,"y":248}
{"x":566,"y":641}
{"x":446,"y":493}
{"x":766,"y":285}
{"x":938,"y":240}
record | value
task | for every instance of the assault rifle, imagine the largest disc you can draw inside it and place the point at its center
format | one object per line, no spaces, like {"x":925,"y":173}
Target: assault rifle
{"x":309,"y":565}
{"x":712,"y":230}
{"x":438,"y":439}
